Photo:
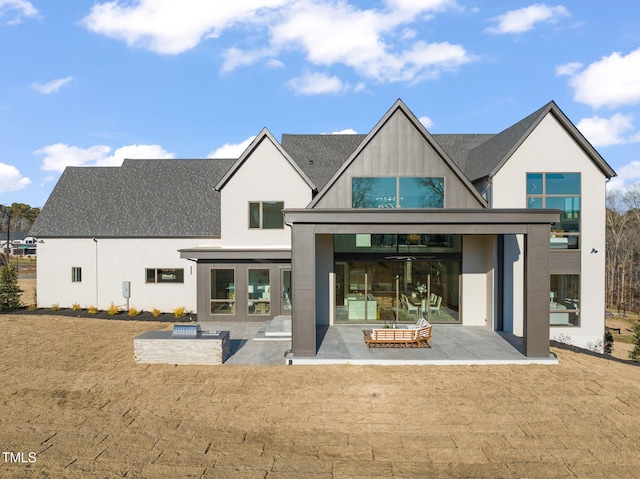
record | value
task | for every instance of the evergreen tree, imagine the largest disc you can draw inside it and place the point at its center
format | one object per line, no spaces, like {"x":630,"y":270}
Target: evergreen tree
{"x":9,"y":289}
{"x":608,"y":343}
{"x":635,"y":354}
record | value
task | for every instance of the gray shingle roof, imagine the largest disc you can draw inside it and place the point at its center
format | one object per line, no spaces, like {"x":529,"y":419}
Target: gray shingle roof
{"x":142,"y":198}
{"x":320,"y":156}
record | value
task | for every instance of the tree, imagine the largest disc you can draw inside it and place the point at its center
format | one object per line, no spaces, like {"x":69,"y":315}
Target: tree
{"x":635,"y":353}
{"x":9,"y":288}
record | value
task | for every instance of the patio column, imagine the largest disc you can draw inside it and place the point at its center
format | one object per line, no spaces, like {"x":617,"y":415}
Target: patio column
{"x":303,"y":265}
{"x":536,"y":313}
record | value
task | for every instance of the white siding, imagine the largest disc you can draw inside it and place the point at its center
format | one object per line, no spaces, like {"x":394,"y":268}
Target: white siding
{"x":117,"y":260}
{"x":477,"y":280}
{"x":549,"y":148}
{"x":266,"y":175}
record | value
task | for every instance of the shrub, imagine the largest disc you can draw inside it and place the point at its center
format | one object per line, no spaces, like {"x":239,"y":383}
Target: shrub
{"x":608,"y":343}
{"x":76,"y":307}
{"x":179,"y":312}
{"x":155,"y":312}
{"x":133,"y":312}
{"x":9,"y":288}
{"x":635,"y":354}
{"x":32,"y":307}
{"x":92,"y":310}
{"x":55,"y":307}
{"x":113,"y":310}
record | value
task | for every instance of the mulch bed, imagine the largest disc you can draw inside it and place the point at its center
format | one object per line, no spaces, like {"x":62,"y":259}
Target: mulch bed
{"x":83,"y":313}
{"x":394,"y":345}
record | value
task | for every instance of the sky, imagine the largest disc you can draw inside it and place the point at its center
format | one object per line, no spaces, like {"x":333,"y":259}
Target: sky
{"x":89,"y":83}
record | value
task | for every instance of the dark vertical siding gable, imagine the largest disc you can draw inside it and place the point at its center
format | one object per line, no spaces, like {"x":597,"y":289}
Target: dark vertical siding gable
{"x":398,"y":148}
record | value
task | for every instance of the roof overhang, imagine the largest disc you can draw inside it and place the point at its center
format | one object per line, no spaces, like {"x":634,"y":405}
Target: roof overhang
{"x":452,"y":221}
{"x":237,"y":254}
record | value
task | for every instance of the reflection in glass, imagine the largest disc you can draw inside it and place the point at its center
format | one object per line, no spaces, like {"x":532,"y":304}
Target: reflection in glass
{"x":373,"y":192}
{"x":259,"y":291}
{"x":223,"y":291}
{"x":562,"y":184}
{"x":564,"y":300}
{"x":421,"y":192}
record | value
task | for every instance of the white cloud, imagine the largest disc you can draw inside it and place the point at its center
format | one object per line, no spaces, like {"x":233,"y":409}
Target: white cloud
{"x":347,"y":131}
{"x":326,"y":33}
{"x":170,"y":27}
{"x":426,"y":121}
{"x":611,"y":81}
{"x":316,"y":83}
{"x":627,"y":175}
{"x":16,"y":10}
{"x":51,"y":87}
{"x":568,"y":69}
{"x":11,"y":179}
{"x":231,"y":150}
{"x":58,"y":156}
{"x":525,"y":19}
{"x":607,"y":131}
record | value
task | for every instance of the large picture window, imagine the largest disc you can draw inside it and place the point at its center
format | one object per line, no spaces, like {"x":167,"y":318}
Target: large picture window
{"x":558,"y":191}
{"x":564,"y":300}
{"x":223,"y":289}
{"x":397,"y":192}
{"x":266,"y":215}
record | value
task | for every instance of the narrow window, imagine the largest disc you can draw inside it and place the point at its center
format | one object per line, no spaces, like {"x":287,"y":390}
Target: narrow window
{"x":223,"y":291}
{"x":165,"y":275}
{"x":259,"y":292}
{"x":564,"y":300}
{"x":76,"y":274}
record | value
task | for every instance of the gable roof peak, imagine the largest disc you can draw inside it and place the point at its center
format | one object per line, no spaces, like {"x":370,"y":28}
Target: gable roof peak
{"x":264,"y":134}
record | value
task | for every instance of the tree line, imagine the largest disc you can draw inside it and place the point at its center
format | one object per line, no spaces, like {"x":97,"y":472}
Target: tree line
{"x":623,"y":249}
{"x":22,"y":217}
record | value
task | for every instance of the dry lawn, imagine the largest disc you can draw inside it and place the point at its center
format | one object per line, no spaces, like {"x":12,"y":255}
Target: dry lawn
{"x":72,"y":394}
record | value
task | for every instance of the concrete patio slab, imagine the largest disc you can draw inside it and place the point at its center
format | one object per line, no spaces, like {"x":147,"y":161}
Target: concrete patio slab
{"x":344,"y":344}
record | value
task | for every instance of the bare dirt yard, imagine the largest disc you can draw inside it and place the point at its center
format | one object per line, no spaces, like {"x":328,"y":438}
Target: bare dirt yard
{"x":74,"y":404}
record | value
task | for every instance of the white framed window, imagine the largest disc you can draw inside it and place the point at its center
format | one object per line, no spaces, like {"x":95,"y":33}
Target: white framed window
{"x":266,"y":215}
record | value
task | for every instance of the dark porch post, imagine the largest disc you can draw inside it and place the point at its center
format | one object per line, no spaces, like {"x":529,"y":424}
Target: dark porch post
{"x":536,"y":313}
{"x":303,"y":265}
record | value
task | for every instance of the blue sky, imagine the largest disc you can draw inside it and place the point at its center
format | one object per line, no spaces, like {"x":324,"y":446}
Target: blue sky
{"x":92,"y":82}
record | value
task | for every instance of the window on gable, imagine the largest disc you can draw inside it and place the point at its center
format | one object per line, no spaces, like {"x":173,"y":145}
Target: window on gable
{"x":558,"y":191}
{"x":76,"y":274}
{"x":397,"y":192}
{"x":266,"y":215}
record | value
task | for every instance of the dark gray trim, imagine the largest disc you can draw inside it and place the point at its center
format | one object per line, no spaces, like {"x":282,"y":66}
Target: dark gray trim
{"x":565,"y":262}
{"x":464,"y":218}
{"x":217,"y":254}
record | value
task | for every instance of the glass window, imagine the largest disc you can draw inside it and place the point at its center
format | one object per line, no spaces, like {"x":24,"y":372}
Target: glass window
{"x":76,"y":274}
{"x":272,"y":217}
{"x":534,"y":184}
{"x":254,"y":215}
{"x":165,"y":275}
{"x":558,"y":191}
{"x":562,"y":184}
{"x":564,"y":300}
{"x":373,"y":192}
{"x":223,"y":291}
{"x":266,"y":215}
{"x":259,"y":292}
{"x":394,"y":192}
{"x":421,"y":192}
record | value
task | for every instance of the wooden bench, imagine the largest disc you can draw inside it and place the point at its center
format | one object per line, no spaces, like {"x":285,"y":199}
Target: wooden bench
{"x":390,"y":337}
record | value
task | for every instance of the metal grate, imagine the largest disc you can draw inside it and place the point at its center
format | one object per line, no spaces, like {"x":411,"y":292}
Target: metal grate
{"x":185,"y":330}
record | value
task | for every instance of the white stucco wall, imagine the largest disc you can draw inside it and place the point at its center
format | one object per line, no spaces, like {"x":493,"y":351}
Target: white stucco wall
{"x":550,"y":149}
{"x":477,"y":280}
{"x":118,"y":260}
{"x":266,"y":175}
